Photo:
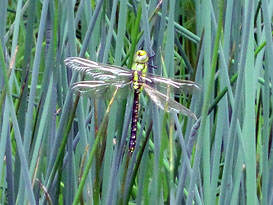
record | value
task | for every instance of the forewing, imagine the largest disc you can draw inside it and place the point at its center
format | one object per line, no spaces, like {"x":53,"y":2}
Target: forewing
{"x":167,"y":104}
{"x":172,"y":85}
{"x":99,"y":71}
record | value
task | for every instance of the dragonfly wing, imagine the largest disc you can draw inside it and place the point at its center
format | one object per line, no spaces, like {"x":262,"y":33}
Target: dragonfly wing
{"x":174,"y":85}
{"x":101,"y":89}
{"x":167,"y":104}
{"x":93,"y":89}
{"x":99,"y":71}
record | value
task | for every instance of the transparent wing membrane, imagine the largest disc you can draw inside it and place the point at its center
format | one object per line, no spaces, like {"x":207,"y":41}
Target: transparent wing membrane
{"x":174,"y":85}
{"x":101,"y":89}
{"x":99,"y":71}
{"x":167,"y":104}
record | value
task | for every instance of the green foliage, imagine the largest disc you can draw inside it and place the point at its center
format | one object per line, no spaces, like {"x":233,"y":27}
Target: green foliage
{"x":59,"y":147}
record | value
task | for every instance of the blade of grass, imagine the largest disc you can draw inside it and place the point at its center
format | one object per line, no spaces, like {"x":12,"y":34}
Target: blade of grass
{"x":102,"y":129}
{"x":249,"y":122}
{"x":110,"y":31}
{"x":18,"y":138}
{"x":266,"y":112}
{"x":205,"y":108}
{"x":60,"y":154}
{"x":231,"y":134}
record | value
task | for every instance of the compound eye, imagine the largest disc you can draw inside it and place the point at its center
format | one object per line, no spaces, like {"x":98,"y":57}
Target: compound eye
{"x":141,"y":56}
{"x":141,"y":53}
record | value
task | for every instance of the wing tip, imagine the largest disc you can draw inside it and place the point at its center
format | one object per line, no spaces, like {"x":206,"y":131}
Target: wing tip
{"x":193,"y":116}
{"x":68,"y":61}
{"x":196,"y":88}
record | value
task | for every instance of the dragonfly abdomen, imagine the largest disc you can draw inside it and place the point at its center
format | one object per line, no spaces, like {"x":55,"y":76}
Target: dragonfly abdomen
{"x":132,"y":142}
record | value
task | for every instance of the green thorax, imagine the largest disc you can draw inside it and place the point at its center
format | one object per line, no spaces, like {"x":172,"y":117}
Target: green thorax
{"x":140,"y":68}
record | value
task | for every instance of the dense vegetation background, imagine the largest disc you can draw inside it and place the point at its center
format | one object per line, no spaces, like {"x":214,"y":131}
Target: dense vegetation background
{"x":58,"y":147}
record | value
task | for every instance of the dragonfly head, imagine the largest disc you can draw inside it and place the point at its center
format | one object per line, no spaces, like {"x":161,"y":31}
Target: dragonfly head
{"x":141,"y":56}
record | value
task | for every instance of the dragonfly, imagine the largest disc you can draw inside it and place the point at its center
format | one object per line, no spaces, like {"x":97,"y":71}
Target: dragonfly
{"x":107,"y":77}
